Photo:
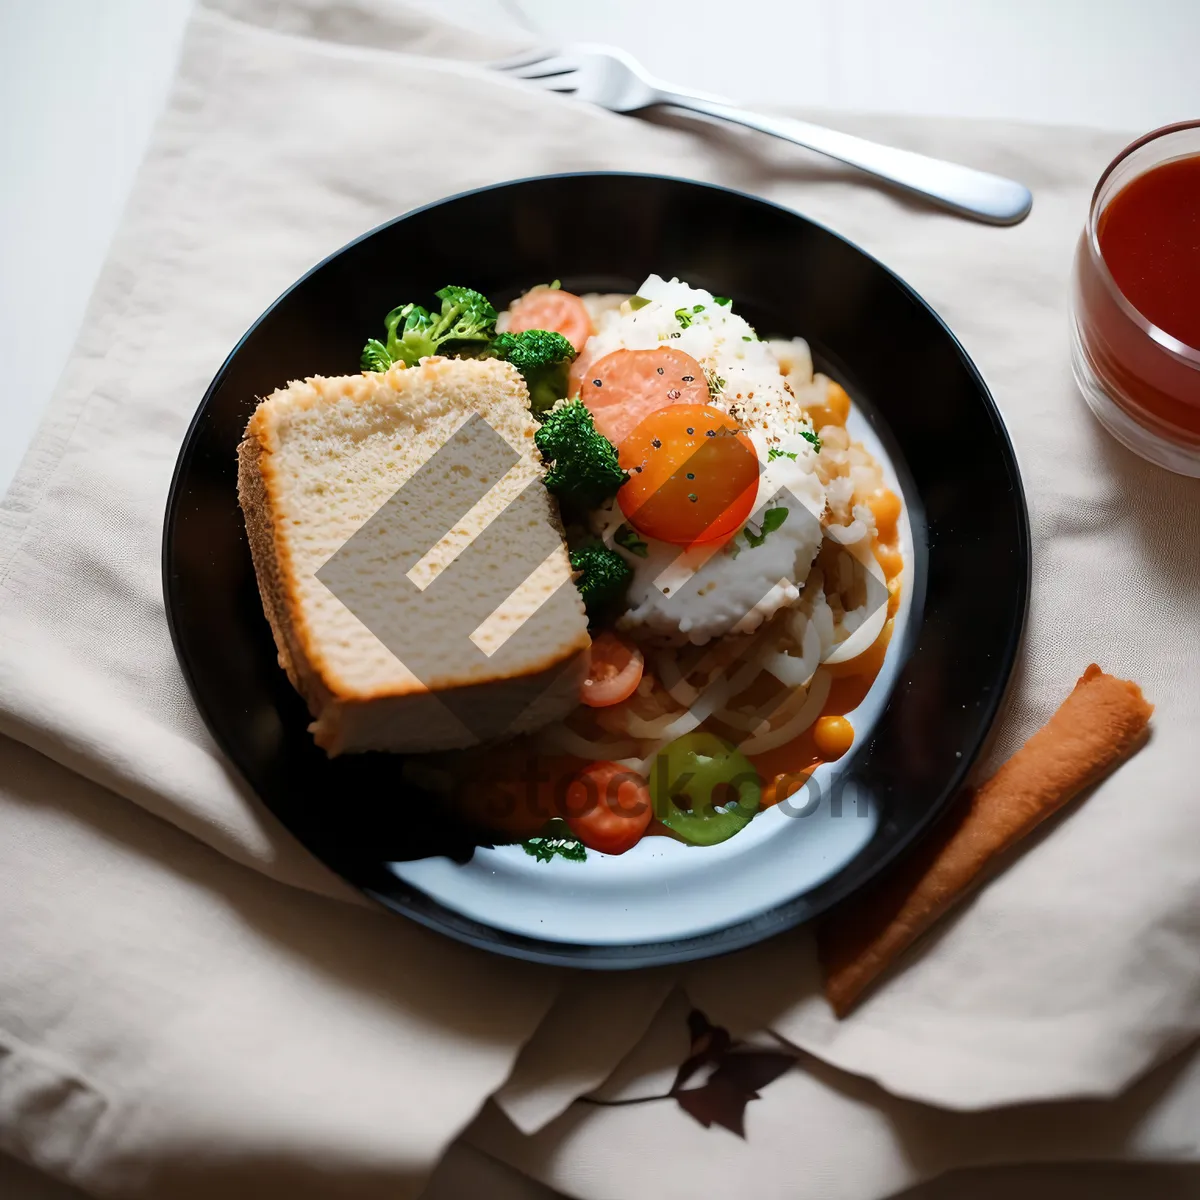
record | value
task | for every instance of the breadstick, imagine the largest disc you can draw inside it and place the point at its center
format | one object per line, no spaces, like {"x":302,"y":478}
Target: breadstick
{"x":1099,"y":724}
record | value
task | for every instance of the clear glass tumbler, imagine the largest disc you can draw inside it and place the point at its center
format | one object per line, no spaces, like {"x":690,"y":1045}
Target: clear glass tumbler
{"x":1142,"y":383}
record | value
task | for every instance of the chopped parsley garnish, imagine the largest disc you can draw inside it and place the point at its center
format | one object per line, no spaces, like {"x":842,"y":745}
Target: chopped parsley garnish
{"x":807,"y":434}
{"x":683,"y":317}
{"x":697,"y":308}
{"x":636,"y":302}
{"x":716,"y":385}
{"x":771,"y":520}
{"x":548,"y":846}
{"x":746,"y":337}
{"x":627,"y":539}
{"x":723,"y":301}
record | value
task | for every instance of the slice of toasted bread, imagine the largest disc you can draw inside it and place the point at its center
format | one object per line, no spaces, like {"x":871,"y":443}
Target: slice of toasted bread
{"x":419,"y":596}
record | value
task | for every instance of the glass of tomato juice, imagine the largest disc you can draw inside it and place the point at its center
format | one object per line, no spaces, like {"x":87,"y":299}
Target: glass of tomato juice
{"x":1135,"y":304}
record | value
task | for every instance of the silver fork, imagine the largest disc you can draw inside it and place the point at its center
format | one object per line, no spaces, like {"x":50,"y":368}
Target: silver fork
{"x":614,"y":80}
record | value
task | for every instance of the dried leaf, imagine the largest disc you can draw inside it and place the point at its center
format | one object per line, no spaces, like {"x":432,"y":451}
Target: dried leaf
{"x":753,"y":1069}
{"x":716,"y":1104}
{"x":709,"y":1043}
{"x":739,"y":1074}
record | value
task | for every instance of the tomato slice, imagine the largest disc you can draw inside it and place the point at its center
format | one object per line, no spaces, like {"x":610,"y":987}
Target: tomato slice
{"x":693,"y":475}
{"x":608,"y":807}
{"x":614,"y":673}
{"x":555,"y":310}
{"x":623,"y":388}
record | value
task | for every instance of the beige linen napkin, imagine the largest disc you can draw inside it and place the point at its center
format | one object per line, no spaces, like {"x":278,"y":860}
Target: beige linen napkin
{"x":815,"y":1133}
{"x":285,"y":136}
{"x":174,"y":1024}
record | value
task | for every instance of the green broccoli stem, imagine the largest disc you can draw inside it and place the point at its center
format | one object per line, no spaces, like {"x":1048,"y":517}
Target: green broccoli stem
{"x":547,"y":386}
{"x":542,"y":356}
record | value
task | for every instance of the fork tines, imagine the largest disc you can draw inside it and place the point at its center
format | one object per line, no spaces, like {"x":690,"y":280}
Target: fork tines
{"x":536,"y":64}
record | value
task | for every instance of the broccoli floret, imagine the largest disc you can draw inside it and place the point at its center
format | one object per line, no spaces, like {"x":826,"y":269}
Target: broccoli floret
{"x":583,"y":467}
{"x":533,"y":349}
{"x":466,"y":315}
{"x":605,"y":577}
{"x":414,"y":333}
{"x":542,"y":357}
{"x":375,"y":356}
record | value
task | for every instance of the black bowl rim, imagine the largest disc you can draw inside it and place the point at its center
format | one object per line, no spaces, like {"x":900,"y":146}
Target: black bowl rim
{"x":435,"y":915}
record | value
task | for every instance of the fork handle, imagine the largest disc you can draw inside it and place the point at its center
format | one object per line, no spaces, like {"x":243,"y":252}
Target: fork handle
{"x":964,"y":190}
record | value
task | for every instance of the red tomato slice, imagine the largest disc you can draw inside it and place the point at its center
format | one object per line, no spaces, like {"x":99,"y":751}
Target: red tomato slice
{"x":555,"y":310}
{"x":693,"y":475}
{"x":608,"y":807}
{"x":623,"y":388}
{"x":614,"y":673}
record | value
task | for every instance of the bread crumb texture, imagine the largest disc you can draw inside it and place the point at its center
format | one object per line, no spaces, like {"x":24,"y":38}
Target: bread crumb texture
{"x":331,"y":453}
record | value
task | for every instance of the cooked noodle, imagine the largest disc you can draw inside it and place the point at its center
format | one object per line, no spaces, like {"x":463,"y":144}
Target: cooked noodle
{"x":810,"y":710}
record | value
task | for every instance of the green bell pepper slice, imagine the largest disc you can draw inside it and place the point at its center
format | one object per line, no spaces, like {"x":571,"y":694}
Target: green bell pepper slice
{"x":718,"y":784}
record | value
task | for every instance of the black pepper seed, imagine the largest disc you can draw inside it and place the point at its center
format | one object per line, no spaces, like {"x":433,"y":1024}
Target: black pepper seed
{"x":711,"y":433}
{"x":637,"y":470}
{"x":660,"y":370}
{"x":598,"y":382}
{"x":656,"y":444}
{"x":690,"y":429}
{"x":690,"y":475}
{"x":689,"y":379}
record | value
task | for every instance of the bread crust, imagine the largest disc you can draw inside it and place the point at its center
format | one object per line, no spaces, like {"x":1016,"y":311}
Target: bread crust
{"x":282,"y":613}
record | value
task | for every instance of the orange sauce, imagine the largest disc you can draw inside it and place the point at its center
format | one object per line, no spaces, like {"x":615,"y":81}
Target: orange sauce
{"x":514,"y":791}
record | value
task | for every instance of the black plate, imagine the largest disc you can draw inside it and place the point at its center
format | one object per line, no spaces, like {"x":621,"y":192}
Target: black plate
{"x":606,"y":232}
